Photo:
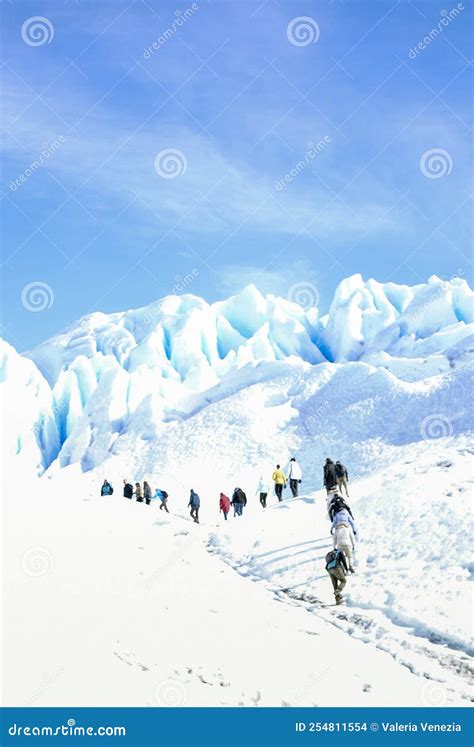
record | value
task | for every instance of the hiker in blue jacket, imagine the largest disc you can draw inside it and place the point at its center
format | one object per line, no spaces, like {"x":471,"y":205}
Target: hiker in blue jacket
{"x":106,"y":488}
{"x":195,"y":503}
{"x":344,"y":517}
{"x":162,"y":496}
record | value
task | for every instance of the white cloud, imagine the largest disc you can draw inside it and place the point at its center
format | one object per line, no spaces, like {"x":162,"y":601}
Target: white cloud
{"x":112,"y":159}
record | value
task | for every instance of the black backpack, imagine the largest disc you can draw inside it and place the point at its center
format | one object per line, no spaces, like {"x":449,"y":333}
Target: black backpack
{"x":239,"y":496}
{"x":340,"y":470}
{"x":336,"y":506}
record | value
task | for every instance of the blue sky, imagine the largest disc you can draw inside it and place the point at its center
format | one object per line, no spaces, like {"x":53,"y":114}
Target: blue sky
{"x":243,"y":104}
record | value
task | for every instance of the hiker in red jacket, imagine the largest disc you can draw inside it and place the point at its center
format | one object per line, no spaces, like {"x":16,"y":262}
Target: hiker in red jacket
{"x":224,"y":505}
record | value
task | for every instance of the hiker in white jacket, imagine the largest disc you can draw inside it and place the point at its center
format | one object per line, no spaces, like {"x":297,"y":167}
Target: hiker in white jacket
{"x":294,"y":476}
{"x":343,"y":539}
{"x":262,"y":490}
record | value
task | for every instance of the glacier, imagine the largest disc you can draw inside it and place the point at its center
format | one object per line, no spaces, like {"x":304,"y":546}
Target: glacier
{"x":87,"y":385}
{"x":184,"y":394}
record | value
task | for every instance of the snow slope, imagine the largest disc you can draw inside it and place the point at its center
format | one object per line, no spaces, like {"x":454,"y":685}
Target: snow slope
{"x":110,"y":603}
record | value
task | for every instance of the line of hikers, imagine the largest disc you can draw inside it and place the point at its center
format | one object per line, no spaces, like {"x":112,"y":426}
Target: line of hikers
{"x":293,"y":477}
{"x":339,"y":561}
{"x":141,"y":495}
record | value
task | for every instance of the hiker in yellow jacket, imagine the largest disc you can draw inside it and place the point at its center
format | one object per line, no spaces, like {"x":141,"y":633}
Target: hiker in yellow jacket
{"x":279,"y":478}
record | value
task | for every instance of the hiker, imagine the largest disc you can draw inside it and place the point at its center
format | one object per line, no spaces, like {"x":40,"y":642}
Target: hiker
{"x":330,"y":496}
{"x":337,"y":503}
{"x":138,"y":493}
{"x":344,"y":517}
{"x":342,"y":477}
{"x":336,"y":566}
{"x":162,"y":496}
{"x":147,"y":493}
{"x":279,"y":478}
{"x":195,"y":503}
{"x":106,"y":488}
{"x":127,"y":489}
{"x":330,"y":479}
{"x":262,"y":490}
{"x":343,"y":539}
{"x":239,"y":500}
{"x":224,"y":505}
{"x":294,"y":476}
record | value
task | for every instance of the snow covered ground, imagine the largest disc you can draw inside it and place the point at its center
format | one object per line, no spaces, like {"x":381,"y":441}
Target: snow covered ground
{"x":109,"y":602}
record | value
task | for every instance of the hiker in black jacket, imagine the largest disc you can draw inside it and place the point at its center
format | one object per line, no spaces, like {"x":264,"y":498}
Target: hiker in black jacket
{"x":330,"y":477}
{"x":239,"y":500}
{"x":337,"y":503}
{"x":342,"y":477}
{"x":127,"y":489}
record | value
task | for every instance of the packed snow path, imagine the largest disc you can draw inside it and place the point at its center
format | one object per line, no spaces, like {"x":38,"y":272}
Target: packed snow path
{"x":113,"y":603}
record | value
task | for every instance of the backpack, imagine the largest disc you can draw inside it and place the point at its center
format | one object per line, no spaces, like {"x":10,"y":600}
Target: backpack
{"x":332,"y":560}
{"x":340,"y":470}
{"x":239,"y":496}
